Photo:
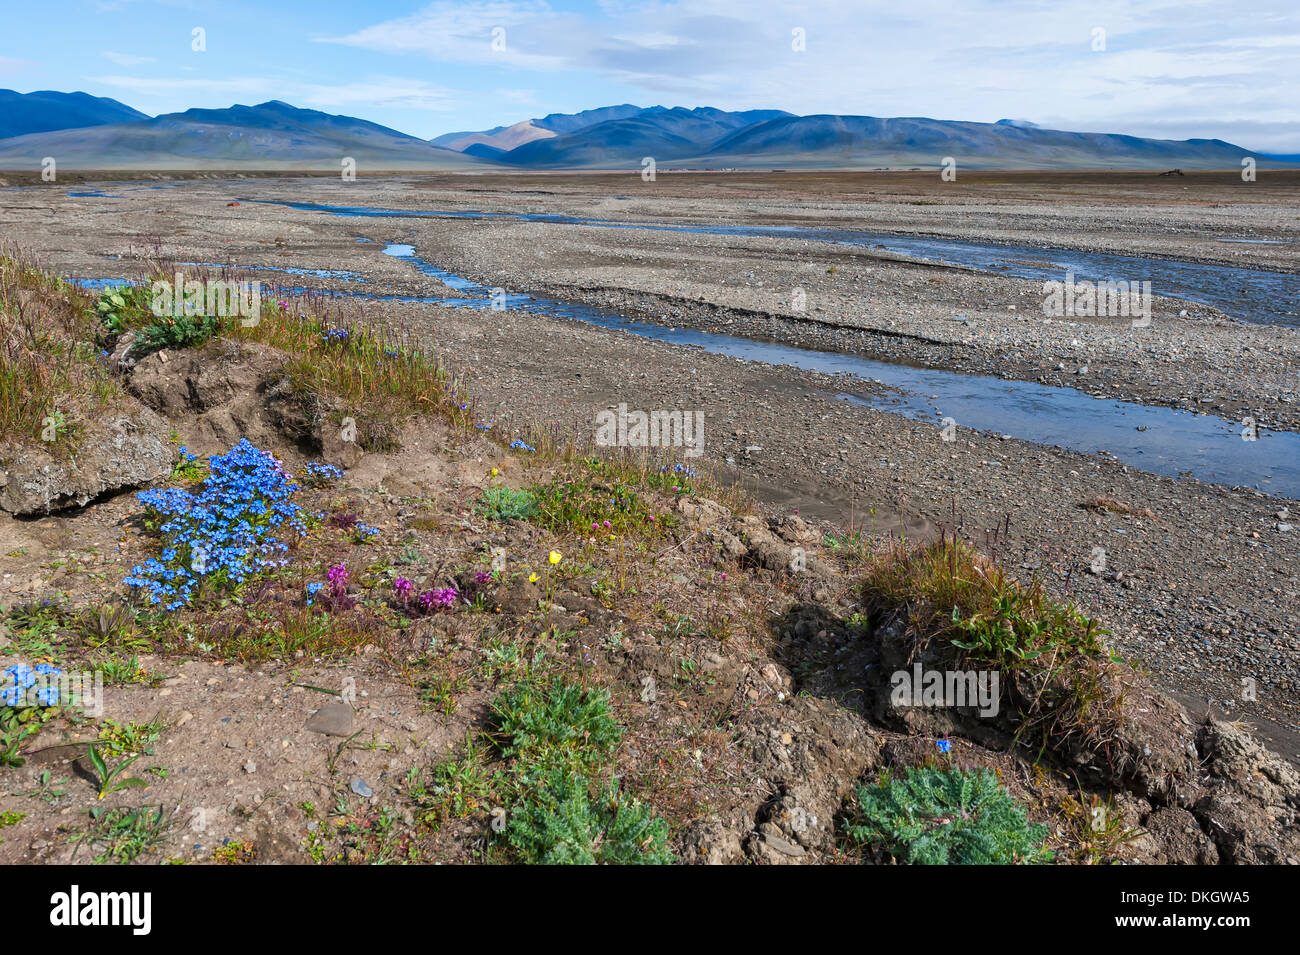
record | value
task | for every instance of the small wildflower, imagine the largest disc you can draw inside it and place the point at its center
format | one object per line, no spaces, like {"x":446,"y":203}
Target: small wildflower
{"x":555,"y":557}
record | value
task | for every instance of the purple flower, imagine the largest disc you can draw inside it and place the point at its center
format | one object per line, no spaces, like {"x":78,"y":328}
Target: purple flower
{"x":438,"y":599}
{"x":402,"y":586}
{"x":338,"y":574}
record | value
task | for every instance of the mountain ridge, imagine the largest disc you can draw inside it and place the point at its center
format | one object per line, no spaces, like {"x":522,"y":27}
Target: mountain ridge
{"x":44,"y":111}
{"x":86,"y":132}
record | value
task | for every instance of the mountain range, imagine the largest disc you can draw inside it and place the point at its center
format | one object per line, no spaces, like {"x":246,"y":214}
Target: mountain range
{"x":86,"y":132}
{"x":48,"y":110}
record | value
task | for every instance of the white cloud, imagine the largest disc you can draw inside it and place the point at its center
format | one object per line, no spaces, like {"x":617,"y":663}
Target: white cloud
{"x":165,"y":84}
{"x":527,"y":34}
{"x":381,"y":92}
{"x":1186,"y":67}
{"x":12,"y":64}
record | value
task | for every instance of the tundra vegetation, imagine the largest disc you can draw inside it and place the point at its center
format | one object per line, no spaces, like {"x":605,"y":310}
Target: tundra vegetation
{"x":631,"y":668}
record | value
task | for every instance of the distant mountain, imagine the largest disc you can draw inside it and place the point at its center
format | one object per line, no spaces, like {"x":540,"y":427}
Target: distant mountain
{"x":869,"y":141}
{"x":501,"y":139}
{"x":86,"y":132}
{"x":712,"y":138}
{"x":506,"y":138}
{"x":269,"y":135}
{"x":562,"y":123}
{"x":662,"y":133}
{"x":46,"y":110}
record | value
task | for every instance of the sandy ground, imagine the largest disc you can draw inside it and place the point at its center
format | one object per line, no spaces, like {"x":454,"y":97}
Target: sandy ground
{"x":1204,"y":594}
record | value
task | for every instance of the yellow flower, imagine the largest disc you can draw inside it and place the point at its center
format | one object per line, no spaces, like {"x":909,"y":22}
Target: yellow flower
{"x":532,"y":578}
{"x":495,"y":472}
{"x":555,"y":557}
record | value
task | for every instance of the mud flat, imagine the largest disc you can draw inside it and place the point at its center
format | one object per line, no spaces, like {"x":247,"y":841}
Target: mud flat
{"x":1203,"y":592}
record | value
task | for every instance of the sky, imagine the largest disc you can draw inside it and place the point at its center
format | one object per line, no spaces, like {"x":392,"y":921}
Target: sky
{"x":1224,"y":69}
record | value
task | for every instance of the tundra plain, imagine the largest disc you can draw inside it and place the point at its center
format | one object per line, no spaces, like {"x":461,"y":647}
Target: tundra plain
{"x":1198,"y":583}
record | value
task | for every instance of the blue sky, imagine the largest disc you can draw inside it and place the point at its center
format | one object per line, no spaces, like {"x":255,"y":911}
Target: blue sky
{"x":1191,"y":68}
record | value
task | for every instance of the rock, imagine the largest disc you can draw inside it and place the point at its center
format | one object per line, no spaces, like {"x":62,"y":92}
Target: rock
{"x":358,"y":786}
{"x":335,"y":447}
{"x":772,"y":836}
{"x":703,"y":512}
{"x":332,"y":719}
{"x":711,"y":842}
{"x":1173,"y":836}
{"x":125,"y":354}
{"x":121,"y":450}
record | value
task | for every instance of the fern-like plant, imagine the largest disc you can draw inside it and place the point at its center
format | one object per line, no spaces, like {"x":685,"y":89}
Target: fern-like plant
{"x":555,"y":726}
{"x":946,"y":816}
{"x":573,"y":821}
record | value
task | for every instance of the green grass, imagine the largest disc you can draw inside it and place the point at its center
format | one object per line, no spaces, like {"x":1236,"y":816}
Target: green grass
{"x":52,"y":384}
{"x":953,"y":593}
{"x":1059,"y":677}
{"x":380,"y":376}
{"x":455,"y":788}
{"x":587,"y":496}
{"x":937,"y":816}
{"x":121,"y":835}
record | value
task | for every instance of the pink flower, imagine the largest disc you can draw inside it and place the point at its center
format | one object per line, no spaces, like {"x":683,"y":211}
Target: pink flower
{"x":438,"y":599}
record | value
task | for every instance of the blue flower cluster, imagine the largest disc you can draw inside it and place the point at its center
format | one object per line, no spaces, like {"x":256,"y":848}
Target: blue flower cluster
{"x":364,"y":533}
{"x":319,"y":475}
{"x":334,"y":335}
{"x":519,"y":445}
{"x":222,"y":533}
{"x":681,"y":469}
{"x":22,"y":678}
{"x":312,"y":590}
